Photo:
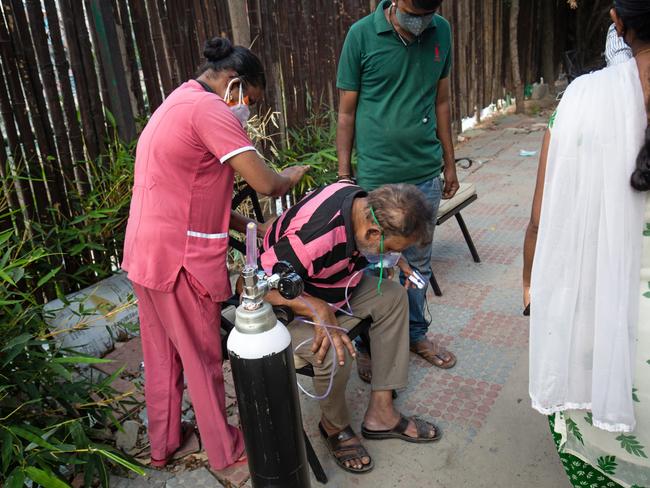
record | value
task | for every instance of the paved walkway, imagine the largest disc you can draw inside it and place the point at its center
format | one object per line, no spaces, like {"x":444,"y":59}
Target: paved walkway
{"x":491,"y":435}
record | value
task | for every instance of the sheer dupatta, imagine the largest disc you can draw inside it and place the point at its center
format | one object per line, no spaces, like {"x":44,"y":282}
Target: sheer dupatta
{"x":584,"y":286}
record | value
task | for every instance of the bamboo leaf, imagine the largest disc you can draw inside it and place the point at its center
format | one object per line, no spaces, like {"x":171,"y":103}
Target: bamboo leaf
{"x":121,"y":461}
{"x":5,"y":235}
{"x":21,"y":339}
{"x":6,"y":277}
{"x":60,"y":370}
{"x":48,"y":277}
{"x":48,"y":480}
{"x":16,"y":479}
{"x":7,"y":446}
{"x":31,"y":437}
{"x":80,"y":360}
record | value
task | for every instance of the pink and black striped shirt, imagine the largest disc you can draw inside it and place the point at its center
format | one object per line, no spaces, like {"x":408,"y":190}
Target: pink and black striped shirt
{"x":316,"y":237}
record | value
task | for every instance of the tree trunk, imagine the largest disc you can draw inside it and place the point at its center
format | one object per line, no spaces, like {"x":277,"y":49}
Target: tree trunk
{"x":241,"y":30}
{"x":514,"y":55}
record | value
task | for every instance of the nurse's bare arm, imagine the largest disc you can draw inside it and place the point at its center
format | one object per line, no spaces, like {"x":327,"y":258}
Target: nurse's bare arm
{"x":263,"y":179}
{"x":533,"y":225}
{"x":238,"y":223}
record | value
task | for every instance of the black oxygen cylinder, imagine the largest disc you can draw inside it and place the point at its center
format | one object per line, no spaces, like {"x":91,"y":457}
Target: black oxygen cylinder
{"x":267,"y":395}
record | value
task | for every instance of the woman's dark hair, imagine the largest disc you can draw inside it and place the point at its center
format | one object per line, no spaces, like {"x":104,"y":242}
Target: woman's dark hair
{"x":220,"y":55}
{"x":427,"y":4}
{"x":635,"y":15}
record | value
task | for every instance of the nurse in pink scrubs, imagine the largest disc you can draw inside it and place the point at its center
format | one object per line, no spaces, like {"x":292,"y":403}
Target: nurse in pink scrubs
{"x":177,"y":241}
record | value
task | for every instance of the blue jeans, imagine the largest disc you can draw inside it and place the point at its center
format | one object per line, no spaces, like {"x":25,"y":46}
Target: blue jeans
{"x":419,"y":259}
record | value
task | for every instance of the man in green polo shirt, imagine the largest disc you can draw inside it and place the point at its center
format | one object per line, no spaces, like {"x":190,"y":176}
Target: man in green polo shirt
{"x":393,"y":77}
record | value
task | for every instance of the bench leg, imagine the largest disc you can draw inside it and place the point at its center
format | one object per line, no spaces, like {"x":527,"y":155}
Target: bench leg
{"x":434,"y":285}
{"x":468,"y":238}
{"x":314,"y":462}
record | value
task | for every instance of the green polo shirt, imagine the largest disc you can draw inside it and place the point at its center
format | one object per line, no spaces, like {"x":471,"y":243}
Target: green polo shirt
{"x":395,"y":128}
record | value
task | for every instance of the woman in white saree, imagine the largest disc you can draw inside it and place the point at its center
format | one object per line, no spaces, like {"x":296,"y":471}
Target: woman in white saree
{"x":590,"y":318}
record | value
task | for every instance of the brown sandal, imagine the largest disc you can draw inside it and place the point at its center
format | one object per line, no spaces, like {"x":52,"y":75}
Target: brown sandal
{"x":399,"y":431}
{"x":348,"y":452}
{"x":364,"y":366}
{"x":434,"y":353}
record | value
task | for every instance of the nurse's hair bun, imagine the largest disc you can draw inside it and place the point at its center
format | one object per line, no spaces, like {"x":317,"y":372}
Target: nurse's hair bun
{"x":217,"y":48}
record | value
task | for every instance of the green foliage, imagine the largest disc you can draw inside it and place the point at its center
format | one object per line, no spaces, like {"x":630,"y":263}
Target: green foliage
{"x":313,"y":144}
{"x":54,"y":422}
{"x":94,"y":236}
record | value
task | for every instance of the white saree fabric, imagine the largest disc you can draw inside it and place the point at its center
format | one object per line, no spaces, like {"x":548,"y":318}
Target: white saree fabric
{"x":584,"y":300}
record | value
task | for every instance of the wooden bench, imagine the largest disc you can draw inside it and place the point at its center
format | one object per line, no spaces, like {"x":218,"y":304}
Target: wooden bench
{"x":465,"y":195}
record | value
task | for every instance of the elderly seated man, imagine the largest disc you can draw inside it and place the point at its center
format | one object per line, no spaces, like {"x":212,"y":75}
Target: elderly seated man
{"x":329,"y":237}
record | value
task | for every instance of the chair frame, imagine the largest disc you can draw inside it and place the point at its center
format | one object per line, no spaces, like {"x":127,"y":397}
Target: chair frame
{"x":455,"y":212}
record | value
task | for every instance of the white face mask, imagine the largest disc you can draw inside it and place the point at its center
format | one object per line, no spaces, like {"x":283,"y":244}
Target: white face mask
{"x":240,"y":110}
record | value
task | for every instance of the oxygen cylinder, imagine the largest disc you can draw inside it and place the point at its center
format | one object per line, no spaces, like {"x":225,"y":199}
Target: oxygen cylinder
{"x":261,"y":357}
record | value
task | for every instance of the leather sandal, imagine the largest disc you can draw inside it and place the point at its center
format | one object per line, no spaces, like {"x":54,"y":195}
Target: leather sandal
{"x":434,"y":353}
{"x":343,"y":453}
{"x":399,"y":431}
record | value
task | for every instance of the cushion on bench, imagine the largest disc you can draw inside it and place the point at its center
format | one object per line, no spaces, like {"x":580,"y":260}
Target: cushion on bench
{"x":464,"y":193}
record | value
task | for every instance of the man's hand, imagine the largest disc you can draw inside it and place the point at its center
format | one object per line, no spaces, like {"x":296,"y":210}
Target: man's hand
{"x":295,"y":173}
{"x":404,"y":267}
{"x":340,"y":339}
{"x":451,"y":182}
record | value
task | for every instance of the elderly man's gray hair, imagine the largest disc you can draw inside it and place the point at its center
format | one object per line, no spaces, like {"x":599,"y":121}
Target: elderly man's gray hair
{"x":402,"y":210}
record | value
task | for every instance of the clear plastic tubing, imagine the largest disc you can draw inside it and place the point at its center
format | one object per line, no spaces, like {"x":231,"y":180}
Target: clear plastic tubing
{"x":251,"y":244}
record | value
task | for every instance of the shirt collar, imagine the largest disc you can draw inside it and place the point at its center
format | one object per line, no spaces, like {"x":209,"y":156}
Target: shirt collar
{"x":346,"y":213}
{"x":382,"y":25}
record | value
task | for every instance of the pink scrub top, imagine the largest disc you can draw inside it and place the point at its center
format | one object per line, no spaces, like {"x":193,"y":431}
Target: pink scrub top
{"x":180,"y":207}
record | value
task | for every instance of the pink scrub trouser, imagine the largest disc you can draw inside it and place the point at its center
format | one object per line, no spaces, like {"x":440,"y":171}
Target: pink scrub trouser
{"x":181,"y":333}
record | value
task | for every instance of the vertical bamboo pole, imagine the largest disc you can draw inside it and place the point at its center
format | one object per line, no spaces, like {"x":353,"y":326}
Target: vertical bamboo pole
{"x":81,"y":87}
{"x":67,"y":98}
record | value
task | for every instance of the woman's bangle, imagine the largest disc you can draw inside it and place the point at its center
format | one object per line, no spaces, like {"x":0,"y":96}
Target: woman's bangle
{"x":346,"y":179}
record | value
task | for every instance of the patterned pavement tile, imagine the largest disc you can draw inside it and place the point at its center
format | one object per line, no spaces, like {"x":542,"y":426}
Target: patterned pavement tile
{"x":514,"y":223}
{"x":456,"y":401}
{"x":467,"y":271}
{"x":475,"y":360}
{"x":449,"y":320}
{"x":504,"y":301}
{"x":199,"y":478}
{"x":498,"y":329}
{"x":465,"y":295}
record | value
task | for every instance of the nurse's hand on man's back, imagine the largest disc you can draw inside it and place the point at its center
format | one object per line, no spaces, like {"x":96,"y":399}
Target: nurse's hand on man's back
{"x":295,"y":173}
{"x":263,"y":179}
